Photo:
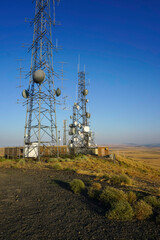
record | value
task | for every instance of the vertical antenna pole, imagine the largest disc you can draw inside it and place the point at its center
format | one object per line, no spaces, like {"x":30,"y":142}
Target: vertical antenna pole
{"x":79,"y":63}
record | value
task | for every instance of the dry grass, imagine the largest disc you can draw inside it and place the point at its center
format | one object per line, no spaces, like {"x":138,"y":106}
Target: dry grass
{"x":146,"y":155}
{"x":141,"y":176}
{"x":132,"y":175}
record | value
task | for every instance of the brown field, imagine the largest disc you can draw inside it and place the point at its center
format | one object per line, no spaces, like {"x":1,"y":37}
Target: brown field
{"x":146,"y":155}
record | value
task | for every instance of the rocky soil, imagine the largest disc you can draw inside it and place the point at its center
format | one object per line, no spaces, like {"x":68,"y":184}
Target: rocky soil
{"x":38,"y":205}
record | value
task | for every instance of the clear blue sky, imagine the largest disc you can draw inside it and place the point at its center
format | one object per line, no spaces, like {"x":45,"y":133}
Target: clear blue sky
{"x":119,"y":43}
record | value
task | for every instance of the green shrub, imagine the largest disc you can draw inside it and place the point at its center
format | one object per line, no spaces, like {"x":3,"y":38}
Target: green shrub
{"x":57,"y":166}
{"x":115,"y":180}
{"x":77,"y":186}
{"x":81,"y":156}
{"x":69,"y":169}
{"x":22,"y":161}
{"x":67,"y":159}
{"x":2,"y":159}
{"x":94,"y":191}
{"x":131,"y":197}
{"x":153,"y":201}
{"x":5,"y":160}
{"x":125,"y":179}
{"x":121,"y":211}
{"x":52,"y":160}
{"x":106,"y":177}
{"x":111,"y":195}
{"x":142,"y":210}
{"x":119,"y":179}
{"x":96,"y":186}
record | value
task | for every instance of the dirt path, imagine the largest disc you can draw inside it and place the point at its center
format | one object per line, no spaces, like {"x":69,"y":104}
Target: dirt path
{"x":32,"y":207}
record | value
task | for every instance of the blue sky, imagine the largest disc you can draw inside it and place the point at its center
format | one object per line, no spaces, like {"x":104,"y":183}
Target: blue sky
{"x":119,"y":43}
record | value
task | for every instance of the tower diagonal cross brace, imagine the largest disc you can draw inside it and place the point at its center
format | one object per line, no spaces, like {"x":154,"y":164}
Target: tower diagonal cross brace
{"x":41,"y":124}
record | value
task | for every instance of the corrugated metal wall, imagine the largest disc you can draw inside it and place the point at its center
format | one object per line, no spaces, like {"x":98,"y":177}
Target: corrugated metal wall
{"x":17,"y":152}
{"x":103,"y":151}
{"x":2,"y":152}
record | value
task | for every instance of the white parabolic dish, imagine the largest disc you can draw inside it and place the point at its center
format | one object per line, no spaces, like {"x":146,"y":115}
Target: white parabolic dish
{"x":39,"y":76}
{"x":86,"y":129}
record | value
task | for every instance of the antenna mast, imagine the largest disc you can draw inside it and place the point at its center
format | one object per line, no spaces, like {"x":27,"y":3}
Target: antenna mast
{"x":81,"y":138}
{"x":21,"y":72}
{"x":41,"y":123}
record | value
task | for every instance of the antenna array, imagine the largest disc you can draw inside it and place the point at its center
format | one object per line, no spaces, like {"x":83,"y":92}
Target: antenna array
{"x":40,"y":97}
{"x":80,"y":127}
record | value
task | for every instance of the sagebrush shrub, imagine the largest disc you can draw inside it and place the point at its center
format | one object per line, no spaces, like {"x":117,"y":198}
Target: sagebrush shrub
{"x":57,"y":166}
{"x":119,"y":179}
{"x":106,"y":177}
{"x":22,"y":161}
{"x":94,"y":190}
{"x":94,"y":193}
{"x":125,"y":179}
{"x":115,"y":180}
{"x":121,"y":211}
{"x":96,"y":185}
{"x":77,"y":186}
{"x":131,"y":197}
{"x":153,"y":201}
{"x":111,"y":195}
{"x":142,"y":210}
{"x":2,"y":159}
{"x":52,"y":160}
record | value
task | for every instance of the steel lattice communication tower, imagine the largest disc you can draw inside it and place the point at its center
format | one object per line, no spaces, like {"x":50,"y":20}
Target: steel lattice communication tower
{"x":82,"y":114}
{"x":79,"y":129}
{"x":41,"y":125}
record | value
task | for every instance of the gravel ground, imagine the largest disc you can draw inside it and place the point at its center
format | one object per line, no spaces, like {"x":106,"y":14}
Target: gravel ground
{"x":35,"y":207}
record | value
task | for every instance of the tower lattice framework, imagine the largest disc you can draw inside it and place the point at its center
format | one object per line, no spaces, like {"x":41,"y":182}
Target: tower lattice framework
{"x":82,"y":120}
{"x":80,"y":129}
{"x":41,"y":125}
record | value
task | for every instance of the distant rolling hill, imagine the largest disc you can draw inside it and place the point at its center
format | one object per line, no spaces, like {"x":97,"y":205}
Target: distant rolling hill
{"x":143,"y":145}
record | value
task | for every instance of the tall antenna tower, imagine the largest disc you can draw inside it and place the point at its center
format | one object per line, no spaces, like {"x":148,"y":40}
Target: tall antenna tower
{"x":82,"y":114}
{"x":80,"y":129}
{"x":41,"y":124}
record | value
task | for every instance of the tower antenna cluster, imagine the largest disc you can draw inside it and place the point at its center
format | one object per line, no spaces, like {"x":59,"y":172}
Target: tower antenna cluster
{"x":41,"y":134}
{"x":41,"y":94}
{"x":82,"y":137}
